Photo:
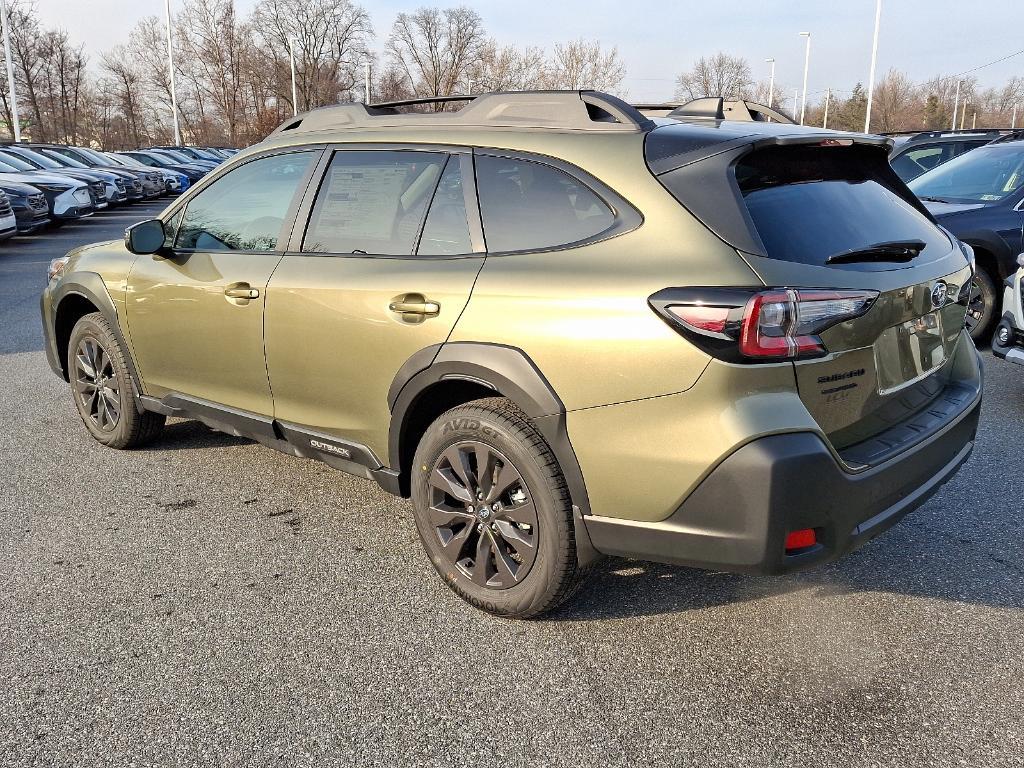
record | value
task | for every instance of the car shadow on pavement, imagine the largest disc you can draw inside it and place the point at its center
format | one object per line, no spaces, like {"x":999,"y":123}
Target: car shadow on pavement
{"x":936,"y":566}
{"x":187,"y":435}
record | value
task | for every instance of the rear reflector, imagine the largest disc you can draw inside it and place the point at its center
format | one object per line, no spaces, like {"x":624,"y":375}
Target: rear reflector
{"x":801,"y":539}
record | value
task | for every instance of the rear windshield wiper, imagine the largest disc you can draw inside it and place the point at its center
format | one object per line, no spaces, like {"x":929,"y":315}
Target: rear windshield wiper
{"x":895,"y":250}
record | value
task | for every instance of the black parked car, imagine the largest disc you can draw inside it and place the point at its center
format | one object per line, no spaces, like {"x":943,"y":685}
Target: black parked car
{"x":913,"y":155}
{"x":979,"y":197}
{"x":30,"y":208}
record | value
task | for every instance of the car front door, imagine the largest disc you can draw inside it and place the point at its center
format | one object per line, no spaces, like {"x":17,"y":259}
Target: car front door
{"x":382,"y":270}
{"x":195,"y":310}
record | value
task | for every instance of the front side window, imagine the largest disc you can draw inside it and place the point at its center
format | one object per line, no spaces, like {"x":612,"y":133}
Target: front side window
{"x":531,"y":206}
{"x":245,"y":209}
{"x":373,"y":202}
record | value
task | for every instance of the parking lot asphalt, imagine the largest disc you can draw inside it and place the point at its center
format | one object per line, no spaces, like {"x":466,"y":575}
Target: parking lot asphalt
{"x":208,"y":601}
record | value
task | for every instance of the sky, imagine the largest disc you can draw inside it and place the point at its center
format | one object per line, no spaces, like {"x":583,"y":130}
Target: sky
{"x":658,"y":40}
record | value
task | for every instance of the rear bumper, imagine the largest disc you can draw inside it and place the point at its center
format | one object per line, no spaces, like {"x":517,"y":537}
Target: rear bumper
{"x":738,"y":517}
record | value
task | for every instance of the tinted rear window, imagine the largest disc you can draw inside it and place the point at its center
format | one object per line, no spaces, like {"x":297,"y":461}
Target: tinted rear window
{"x":809,"y":203}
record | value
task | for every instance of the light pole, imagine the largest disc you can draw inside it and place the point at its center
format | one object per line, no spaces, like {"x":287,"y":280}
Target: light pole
{"x":170,"y":69}
{"x":1013,"y":119}
{"x":291,"y":56}
{"x":16,"y":125}
{"x":771,"y":81}
{"x":874,"y":58}
{"x":366,"y":82}
{"x":963,"y":115}
{"x":956,"y":103}
{"x":807,"y":66}
{"x":828,"y":98}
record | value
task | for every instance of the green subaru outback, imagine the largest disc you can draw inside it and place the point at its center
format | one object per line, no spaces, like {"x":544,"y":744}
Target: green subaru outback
{"x":561,"y":327}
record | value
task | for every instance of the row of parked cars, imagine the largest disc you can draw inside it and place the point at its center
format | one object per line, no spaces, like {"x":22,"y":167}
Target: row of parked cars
{"x":51,"y":184}
{"x":972,"y":182}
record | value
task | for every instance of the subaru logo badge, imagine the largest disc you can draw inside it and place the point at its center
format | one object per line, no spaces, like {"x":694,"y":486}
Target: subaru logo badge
{"x":939,"y":293}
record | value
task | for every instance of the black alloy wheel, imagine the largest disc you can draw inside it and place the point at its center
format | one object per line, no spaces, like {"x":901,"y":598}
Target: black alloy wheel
{"x":96,"y":385}
{"x":483,"y":517}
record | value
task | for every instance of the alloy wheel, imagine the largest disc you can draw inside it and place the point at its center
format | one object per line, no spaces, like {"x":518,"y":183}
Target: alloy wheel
{"x":482,"y":514}
{"x":96,"y":385}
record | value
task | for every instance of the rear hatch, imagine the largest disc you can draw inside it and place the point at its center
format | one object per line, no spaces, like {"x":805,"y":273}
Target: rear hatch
{"x":817,"y":213}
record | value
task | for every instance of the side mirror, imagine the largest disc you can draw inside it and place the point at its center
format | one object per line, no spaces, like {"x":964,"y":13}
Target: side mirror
{"x":145,"y":237}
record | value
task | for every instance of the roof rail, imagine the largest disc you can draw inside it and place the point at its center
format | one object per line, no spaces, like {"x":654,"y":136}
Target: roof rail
{"x":1015,"y":135}
{"x":554,"y":110}
{"x":716,"y":108}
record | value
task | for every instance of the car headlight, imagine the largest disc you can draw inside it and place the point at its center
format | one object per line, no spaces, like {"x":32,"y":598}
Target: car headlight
{"x":56,"y":268}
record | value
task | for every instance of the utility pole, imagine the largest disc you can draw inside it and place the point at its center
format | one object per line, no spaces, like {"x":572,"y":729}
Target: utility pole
{"x":963,"y":115}
{"x":956,"y":103}
{"x":874,"y":58}
{"x":807,"y":66}
{"x":828,"y":97}
{"x":1013,"y":119}
{"x":16,"y":125}
{"x":291,"y":56}
{"x":170,"y":69}
{"x":366,"y":82}
{"x":771,"y":81}
{"x":974,"y":121}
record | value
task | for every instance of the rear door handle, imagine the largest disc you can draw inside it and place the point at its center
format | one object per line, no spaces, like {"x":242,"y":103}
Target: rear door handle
{"x":415,"y":304}
{"x":243,"y":291}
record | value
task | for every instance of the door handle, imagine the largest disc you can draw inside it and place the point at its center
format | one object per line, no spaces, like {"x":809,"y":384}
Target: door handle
{"x":415,"y":304}
{"x":243,"y":291}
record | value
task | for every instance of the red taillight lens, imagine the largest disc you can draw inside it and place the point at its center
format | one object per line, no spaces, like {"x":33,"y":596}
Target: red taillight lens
{"x":742,"y":325}
{"x":801,"y":539}
{"x":701,"y":318}
{"x":785,"y":324}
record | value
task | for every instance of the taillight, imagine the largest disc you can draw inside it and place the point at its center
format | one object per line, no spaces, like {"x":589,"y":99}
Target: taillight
{"x":744,"y":325}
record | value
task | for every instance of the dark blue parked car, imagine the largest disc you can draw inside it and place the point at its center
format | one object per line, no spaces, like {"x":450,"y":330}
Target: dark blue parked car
{"x":979,"y":197}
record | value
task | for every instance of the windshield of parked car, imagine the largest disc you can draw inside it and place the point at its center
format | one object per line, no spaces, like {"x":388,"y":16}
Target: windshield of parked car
{"x":6,"y":168}
{"x":62,"y":159}
{"x":173,"y":157}
{"x":984,"y":175}
{"x":35,"y":157}
{"x":156,"y":159}
{"x":17,"y":162}
{"x":96,"y":157}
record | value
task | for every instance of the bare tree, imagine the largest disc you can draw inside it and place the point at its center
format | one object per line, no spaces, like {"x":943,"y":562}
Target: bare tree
{"x":505,"y":68}
{"x":124,"y":85}
{"x":332,"y":42}
{"x":718,"y":75}
{"x":897,"y":104}
{"x":584,"y":64}
{"x":436,"y":49}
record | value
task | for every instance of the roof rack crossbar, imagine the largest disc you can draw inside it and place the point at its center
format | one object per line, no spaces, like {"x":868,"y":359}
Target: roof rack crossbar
{"x":558,"y":110}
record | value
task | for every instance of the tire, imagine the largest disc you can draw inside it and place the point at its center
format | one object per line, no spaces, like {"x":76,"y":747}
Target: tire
{"x":102,"y":389}
{"x":505,"y":544}
{"x":983,"y":307}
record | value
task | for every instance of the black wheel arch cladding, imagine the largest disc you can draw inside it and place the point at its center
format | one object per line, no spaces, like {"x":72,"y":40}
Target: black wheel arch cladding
{"x":494,"y":369}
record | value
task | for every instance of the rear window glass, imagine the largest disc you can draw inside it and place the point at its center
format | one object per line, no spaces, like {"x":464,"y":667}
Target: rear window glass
{"x":810,"y":203}
{"x":531,"y":206}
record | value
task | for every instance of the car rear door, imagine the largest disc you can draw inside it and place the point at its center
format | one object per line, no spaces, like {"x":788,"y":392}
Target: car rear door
{"x":381,"y":263}
{"x":195,"y":310}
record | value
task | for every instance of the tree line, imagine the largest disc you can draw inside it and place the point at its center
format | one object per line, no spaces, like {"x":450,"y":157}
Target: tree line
{"x":898,"y":103}
{"x":233,"y":74}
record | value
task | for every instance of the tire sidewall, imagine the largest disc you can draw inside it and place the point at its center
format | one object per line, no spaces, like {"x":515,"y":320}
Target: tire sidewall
{"x":89,"y":327}
{"x":478,"y":424}
{"x":985,"y":326}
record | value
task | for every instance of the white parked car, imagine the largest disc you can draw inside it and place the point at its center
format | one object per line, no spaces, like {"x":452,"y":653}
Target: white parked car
{"x":1008,"y":342}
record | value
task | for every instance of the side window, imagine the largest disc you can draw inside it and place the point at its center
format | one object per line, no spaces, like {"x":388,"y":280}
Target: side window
{"x":530,"y":206}
{"x":446,"y":231}
{"x":244,"y":210}
{"x":373,"y":202}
